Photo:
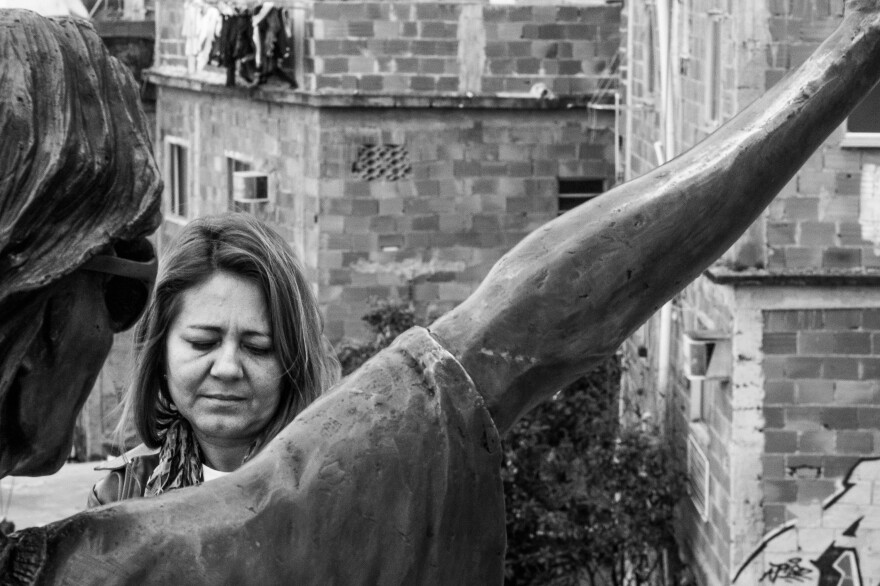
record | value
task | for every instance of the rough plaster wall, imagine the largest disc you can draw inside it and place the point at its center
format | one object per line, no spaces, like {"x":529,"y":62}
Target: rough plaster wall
{"x":869,"y":208}
{"x":746,"y":515}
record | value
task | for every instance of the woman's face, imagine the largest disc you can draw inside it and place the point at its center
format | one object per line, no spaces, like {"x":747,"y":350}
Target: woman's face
{"x":224,"y":374}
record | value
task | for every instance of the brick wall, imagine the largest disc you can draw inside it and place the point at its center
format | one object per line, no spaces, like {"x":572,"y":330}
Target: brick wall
{"x":821,"y":466}
{"x":822,"y":404}
{"x":476,"y":183}
{"x":480,"y":180}
{"x":704,"y":306}
{"x":437,"y":47}
{"x":430,"y":47}
{"x":280,"y":140}
{"x":814,"y":227}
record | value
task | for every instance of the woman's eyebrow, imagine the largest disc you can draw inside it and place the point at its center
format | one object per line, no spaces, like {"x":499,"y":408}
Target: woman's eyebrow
{"x":219,"y":330}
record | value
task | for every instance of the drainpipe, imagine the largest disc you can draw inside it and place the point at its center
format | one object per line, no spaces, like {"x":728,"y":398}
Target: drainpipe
{"x":628,"y":87}
{"x":667,"y":19}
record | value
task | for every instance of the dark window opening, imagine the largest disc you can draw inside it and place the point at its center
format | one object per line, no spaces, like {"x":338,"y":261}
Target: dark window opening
{"x":177,"y":180}
{"x":573,"y":191}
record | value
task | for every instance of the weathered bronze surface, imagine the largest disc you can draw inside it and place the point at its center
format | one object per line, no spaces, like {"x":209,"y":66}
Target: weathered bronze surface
{"x":392,"y":477}
{"x":77,"y":176}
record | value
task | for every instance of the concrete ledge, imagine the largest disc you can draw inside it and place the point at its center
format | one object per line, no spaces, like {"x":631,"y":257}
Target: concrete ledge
{"x":127,"y":29}
{"x":788,"y":278}
{"x":213,"y":82}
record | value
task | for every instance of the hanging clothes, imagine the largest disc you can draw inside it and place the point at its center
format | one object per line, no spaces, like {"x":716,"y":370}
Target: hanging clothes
{"x":192,"y":13}
{"x":209,"y":27}
{"x":272,"y":44}
{"x":234,"y":43}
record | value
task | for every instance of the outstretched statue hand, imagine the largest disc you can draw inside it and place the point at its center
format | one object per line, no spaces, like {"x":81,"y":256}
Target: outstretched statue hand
{"x":393,"y":476}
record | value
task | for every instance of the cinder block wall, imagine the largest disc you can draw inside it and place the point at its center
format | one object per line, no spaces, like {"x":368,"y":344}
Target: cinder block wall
{"x":815,"y":223}
{"x":282,"y":140}
{"x":821,"y":409}
{"x":426,"y":47}
{"x":802,"y":397}
{"x":396,"y":203}
{"x":471,"y":46}
{"x":479,"y":181}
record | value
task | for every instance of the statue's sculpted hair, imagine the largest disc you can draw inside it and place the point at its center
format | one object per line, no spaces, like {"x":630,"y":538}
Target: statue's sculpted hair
{"x":76,"y":166}
{"x":240,"y":245}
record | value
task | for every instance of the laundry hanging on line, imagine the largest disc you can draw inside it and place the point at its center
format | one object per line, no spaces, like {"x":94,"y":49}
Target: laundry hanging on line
{"x":250,"y":43}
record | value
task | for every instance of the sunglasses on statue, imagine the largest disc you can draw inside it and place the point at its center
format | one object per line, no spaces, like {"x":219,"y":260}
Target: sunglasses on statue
{"x":132,"y":274}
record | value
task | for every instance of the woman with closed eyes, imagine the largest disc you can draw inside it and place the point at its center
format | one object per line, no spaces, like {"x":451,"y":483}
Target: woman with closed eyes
{"x":229,"y":351}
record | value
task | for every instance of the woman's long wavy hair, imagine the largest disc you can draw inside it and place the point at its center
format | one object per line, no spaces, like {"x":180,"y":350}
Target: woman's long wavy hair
{"x":241,"y":245}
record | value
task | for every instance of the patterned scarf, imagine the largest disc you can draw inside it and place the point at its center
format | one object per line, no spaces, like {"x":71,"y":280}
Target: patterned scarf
{"x":180,"y":461}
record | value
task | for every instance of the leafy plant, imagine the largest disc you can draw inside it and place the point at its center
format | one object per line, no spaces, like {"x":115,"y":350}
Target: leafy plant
{"x":589,"y":501}
{"x":387,"y":319}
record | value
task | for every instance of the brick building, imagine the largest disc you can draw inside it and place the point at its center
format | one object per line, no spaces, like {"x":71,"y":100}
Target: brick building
{"x":418,"y":148}
{"x":424,"y":140}
{"x":764,"y":371}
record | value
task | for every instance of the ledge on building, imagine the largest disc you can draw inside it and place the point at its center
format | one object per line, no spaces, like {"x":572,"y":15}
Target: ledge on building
{"x":125,"y":29}
{"x":213,"y":82}
{"x":863,"y":277}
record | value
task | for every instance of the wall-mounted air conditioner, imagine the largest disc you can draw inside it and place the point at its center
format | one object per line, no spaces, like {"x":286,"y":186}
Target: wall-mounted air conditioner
{"x":707,"y":355}
{"x":250,"y":187}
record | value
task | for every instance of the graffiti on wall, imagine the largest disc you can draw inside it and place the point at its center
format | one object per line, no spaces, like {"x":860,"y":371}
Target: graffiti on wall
{"x":834,"y":543}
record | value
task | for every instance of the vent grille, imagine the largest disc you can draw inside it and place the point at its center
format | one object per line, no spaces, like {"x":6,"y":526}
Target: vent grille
{"x":382,"y":162}
{"x":698,"y":476}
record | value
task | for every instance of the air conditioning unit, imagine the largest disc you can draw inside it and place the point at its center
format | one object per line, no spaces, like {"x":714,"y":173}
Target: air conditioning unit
{"x":250,"y":187}
{"x":707,"y":355}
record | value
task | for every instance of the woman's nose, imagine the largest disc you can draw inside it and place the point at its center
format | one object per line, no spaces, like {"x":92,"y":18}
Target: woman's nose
{"x":227,"y":365}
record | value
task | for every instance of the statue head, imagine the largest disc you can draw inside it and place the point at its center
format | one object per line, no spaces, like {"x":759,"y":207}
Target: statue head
{"x":79,"y":191}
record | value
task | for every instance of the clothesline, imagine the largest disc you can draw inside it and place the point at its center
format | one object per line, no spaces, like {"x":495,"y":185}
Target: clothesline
{"x":229,"y":7}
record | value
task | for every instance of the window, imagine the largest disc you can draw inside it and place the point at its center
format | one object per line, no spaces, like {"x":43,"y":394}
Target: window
{"x":177,"y":176}
{"x":233,"y":164}
{"x":863,"y":124}
{"x":573,"y":191}
{"x":714,"y":71}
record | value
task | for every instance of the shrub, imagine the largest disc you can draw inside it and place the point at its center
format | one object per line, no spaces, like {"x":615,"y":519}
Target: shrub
{"x":588,"y":501}
{"x":388,"y":319}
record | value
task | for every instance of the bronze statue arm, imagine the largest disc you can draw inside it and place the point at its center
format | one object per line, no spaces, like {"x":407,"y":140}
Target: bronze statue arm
{"x":573,"y":290}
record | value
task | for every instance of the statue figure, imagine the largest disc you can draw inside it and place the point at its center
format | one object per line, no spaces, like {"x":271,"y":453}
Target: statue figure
{"x":77,"y":181}
{"x":392,"y":477}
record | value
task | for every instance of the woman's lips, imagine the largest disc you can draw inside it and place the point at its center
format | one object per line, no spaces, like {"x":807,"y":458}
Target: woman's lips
{"x":221,"y":397}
